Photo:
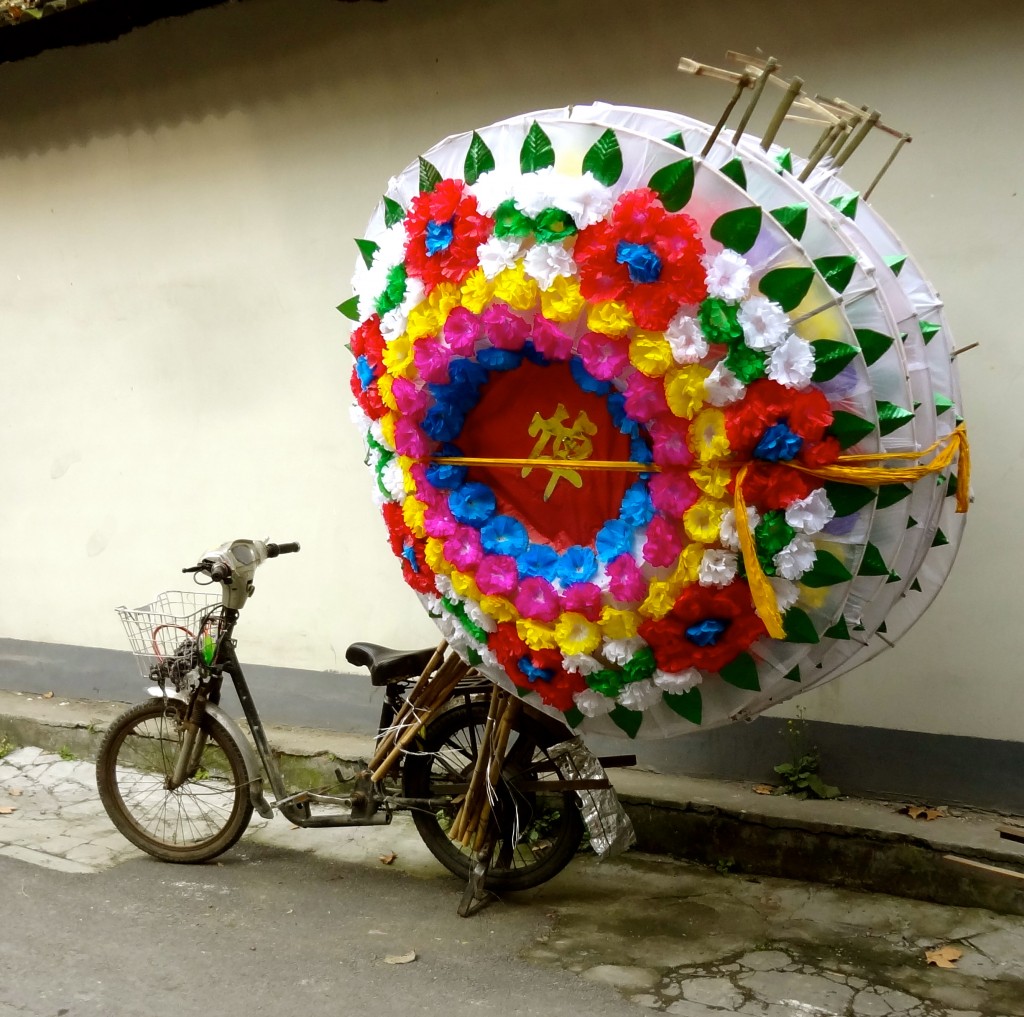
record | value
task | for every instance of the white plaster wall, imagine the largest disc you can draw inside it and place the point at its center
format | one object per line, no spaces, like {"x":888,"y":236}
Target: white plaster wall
{"x":175,"y":230}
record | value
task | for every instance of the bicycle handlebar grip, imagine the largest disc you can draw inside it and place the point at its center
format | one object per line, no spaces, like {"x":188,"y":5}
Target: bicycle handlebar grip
{"x":220,"y":572}
{"x":273,"y":550}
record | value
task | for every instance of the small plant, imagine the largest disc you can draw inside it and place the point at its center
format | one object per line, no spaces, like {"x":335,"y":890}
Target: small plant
{"x":800,"y":776}
{"x":65,"y":753}
{"x":725,"y":865}
{"x":6,"y":747}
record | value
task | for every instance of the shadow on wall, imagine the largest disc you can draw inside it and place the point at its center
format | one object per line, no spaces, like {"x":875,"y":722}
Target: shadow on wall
{"x":432,"y":60}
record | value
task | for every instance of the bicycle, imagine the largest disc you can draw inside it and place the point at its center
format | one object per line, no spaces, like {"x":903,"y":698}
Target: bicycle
{"x":179,"y":779}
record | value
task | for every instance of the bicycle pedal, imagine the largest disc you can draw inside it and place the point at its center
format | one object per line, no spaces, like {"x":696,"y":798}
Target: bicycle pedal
{"x":364,"y":802}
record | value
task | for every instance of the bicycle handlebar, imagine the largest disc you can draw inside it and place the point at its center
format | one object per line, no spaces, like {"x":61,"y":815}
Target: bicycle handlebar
{"x":241,"y":557}
{"x":273,"y":550}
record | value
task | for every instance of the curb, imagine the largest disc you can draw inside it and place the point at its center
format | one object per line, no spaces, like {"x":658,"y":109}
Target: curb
{"x":858,"y":844}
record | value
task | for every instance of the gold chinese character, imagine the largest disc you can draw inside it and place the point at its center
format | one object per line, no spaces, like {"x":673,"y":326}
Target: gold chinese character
{"x":566,"y":443}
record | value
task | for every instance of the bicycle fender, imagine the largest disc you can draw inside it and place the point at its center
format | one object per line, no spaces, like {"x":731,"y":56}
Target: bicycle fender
{"x":252,"y":763}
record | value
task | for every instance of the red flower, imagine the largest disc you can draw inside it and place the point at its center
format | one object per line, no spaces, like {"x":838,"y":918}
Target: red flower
{"x":366,"y":341}
{"x":770,"y":486}
{"x":369,"y":398}
{"x":555,"y":688}
{"x":397,"y":530}
{"x":687,"y":637}
{"x":444,"y":229}
{"x":645,"y":256}
{"x":419,"y":576}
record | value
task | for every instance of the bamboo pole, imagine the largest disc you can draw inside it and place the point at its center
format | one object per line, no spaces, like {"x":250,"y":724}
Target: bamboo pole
{"x":743,"y":82}
{"x":464,"y":826}
{"x":779,"y":116}
{"x":770,"y":66}
{"x":904,"y":138}
{"x":862,"y":132}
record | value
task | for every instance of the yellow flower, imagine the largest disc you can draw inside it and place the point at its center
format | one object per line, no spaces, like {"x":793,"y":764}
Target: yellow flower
{"x":684,"y":390}
{"x":476,"y":291}
{"x":465,"y":585}
{"x":423,"y":320}
{"x":408,"y":480}
{"x":708,"y":441}
{"x":660,"y":598}
{"x":577,"y":634}
{"x":516,"y":288}
{"x":412,"y":513}
{"x":562,"y":300}
{"x":618,"y":624}
{"x":387,"y":430}
{"x":712,"y":480}
{"x":703,"y":520}
{"x":609,"y":318}
{"x":650,"y":354}
{"x":499,"y":608}
{"x":443,"y":298}
{"x":535,"y":634}
{"x":688,"y":567}
{"x":387,"y":397}
{"x":397,"y":357}
{"x":434,"y":556}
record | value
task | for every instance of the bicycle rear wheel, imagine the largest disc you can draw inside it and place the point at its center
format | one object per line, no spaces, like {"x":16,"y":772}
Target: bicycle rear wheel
{"x":538,"y":831}
{"x":194,"y":822}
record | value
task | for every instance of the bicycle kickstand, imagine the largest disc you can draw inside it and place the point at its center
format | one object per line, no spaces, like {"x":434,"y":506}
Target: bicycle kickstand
{"x":476,"y":897}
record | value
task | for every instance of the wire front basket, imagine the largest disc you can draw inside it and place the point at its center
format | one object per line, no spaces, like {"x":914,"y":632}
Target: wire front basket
{"x":174,"y":634}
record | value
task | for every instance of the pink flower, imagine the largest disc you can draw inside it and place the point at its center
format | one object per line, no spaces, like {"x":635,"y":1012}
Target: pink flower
{"x":463,"y":548}
{"x":670,"y":444}
{"x":550,"y":339}
{"x":438,"y":521}
{"x":663,"y":542}
{"x":672,"y":492}
{"x":409,"y":439}
{"x":412,"y":400}
{"x":537,"y":599}
{"x":496,"y":575}
{"x":461,"y":331}
{"x":584,"y":599}
{"x":432,"y":359}
{"x":603,"y":356}
{"x":626,"y":581}
{"x":645,"y":397}
{"x":505,"y":329}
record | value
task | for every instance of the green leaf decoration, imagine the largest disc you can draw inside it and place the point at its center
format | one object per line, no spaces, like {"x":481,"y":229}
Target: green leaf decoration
{"x":883,"y":628}
{"x":896,"y":263}
{"x":393,"y":212}
{"x":954,"y":483}
{"x":479,"y":159}
{"x":890,"y":494}
{"x":521,"y":692}
{"x":830,"y":357}
{"x":430,"y":176}
{"x":604,"y":159}
{"x":916,"y":586}
{"x":847,"y":203}
{"x":742,"y":672}
{"x":839,"y":630}
{"x":677,"y":140}
{"x":873,"y":344}
{"x":689,"y":705}
{"x":673,"y":184}
{"x":911,"y":522}
{"x":787,"y":286}
{"x":738,"y":229}
{"x":350,"y":308}
{"x":894,"y":577}
{"x":848,"y":498}
{"x":573,"y":717}
{"x":784,"y":160}
{"x":627,"y":720}
{"x":793,"y":675}
{"x":872,"y":563}
{"x":942,"y":403}
{"x":792,"y":218}
{"x":367,"y":248}
{"x":798,"y":627}
{"x":892,"y":417}
{"x":903,"y":337}
{"x":734,"y":170}
{"x":940,"y":539}
{"x":837,"y":270}
{"x":537,"y":152}
{"x":928,"y":330}
{"x":849,"y":429}
{"x":827,"y":570}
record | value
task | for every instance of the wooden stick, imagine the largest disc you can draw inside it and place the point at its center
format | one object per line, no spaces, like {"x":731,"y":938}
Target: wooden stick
{"x":464,"y":825}
{"x":792,"y":93}
{"x":818,"y":153}
{"x":699,"y":70}
{"x":744,"y":82}
{"x":770,"y":65}
{"x":964,"y":349}
{"x":862,"y":132}
{"x":985,"y":870}
{"x":904,"y":138}
{"x":848,"y":107}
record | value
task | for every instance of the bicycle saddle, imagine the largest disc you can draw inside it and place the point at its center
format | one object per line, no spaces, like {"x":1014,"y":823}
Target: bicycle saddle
{"x":387,"y":665}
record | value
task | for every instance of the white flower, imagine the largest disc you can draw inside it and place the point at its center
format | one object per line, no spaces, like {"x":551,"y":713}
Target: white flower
{"x":792,"y":363}
{"x":488,"y":660}
{"x":445,"y":588}
{"x":765,"y":324}
{"x":393,"y":479}
{"x":393,"y":323}
{"x":619,"y":651}
{"x":717,"y":568}
{"x":593,"y":704}
{"x":432,"y":603}
{"x":786,"y":592}
{"x":686,"y":339}
{"x":377,"y":433}
{"x":811,"y":514}
{"x":359,"y":417}
{"x":586,"y":199}
{"x":722,"y":387}
{"x":677,"y":681}
{"x":581,"y":663}
{"x":536,"y":191}
{"x":498,"y":253}
{"x":641,"y":695}
{"x":728,"y":275}
{"x":479,"y":617}
{"x":546,"y":262}
{"x":795,"y":558}
{"x":492,"y":188}
{"x":369,"y":282}
{"x":727,"y":531}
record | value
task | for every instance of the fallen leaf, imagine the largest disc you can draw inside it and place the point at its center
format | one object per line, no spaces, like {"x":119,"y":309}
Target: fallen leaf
{"x":943,"y":956}
{"x":388,"y":859}
{"x":764,"y":789}
{"x":47,"y":695}
{"x":6,"y":810}
{"x":401,"y":958}
{"x":922,"y":812}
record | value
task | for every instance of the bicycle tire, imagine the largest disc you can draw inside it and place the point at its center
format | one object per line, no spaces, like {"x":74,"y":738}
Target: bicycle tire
{"x":538,"y":833}
{"x":193,"y":823}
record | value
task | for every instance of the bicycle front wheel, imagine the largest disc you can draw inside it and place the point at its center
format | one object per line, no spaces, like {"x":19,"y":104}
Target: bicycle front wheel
{"x":537,"y":831}
{"x":193,"y":822}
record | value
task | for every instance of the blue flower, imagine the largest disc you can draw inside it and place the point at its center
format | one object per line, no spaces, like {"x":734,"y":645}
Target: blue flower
{"x":443,"y":421}
{"x":472,"y":504}
{"x":532,"y":672}
{"x":538,"y":560}
{"x":577,"y":564}
{"x":504,"y":535}
{"x":365,"y":372}
{"x":534,"y":355}
{"x":637,"y":508}
{"x":778,"y":443}
{"x":706,"y":632}
{"x":613,"y":539}
{"x":639,"y":450}
{"x":439,"y":236}
{"x":643,"y":263}
{"x":409,"y":554}
{"x":467,"y":372}
{"x":446,"y":475}
{"x":586,"y":380}
{"x":499,"y":360}
{"x":617,"y":410}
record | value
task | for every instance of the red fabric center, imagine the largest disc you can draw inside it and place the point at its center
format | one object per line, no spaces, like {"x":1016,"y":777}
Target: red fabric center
{"x":499,"y":426}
